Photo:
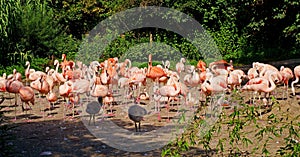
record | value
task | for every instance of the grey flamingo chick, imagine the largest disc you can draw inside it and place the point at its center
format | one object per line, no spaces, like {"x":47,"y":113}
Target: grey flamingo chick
{"x":93,"y":108}
{"x":136,"y":113}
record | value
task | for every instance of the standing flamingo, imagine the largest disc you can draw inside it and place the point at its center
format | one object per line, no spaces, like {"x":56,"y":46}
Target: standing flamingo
{"x":154,"y":72}
{"x":180,"y":65}
{"x":28,"y":71}
{"x":43,"y":87}
{"x":52,"y":98}
{"x":3,"y":83}
{"x":13,"y":85}
{"x":26,"y":95}
{"x":169,"y":91}
{"x":286,"y":74}
{"x":297,"y":75}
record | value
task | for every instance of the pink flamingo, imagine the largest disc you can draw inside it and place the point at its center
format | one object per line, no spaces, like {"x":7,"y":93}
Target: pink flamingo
{"x":169,"y":91}
{"x":52,"y":98}
{"x":154,"y":72}
{"x":260,"y":85}
{"x":297,"y":75}
{"x":214,"y":85}
{"x":26,"y":95}
{"x":286,"y":74}
{"x":42,"y":86}
{"x":28,"y":71}
{"x":192,"y":79}
{"x":13,"y":85}
{"x":3,"y":83}
{"x":252,"y":73}
{"x":180,"y":65}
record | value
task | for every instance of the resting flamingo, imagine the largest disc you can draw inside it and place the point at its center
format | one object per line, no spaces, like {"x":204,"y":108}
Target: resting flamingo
{"x":260,"y":85}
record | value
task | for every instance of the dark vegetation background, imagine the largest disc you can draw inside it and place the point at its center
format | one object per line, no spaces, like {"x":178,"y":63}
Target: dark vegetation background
{"x":244,"y":30}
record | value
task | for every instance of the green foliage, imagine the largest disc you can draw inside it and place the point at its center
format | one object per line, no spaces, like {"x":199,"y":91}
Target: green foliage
{"x":145,"y":65}
{"x":239,"y":138}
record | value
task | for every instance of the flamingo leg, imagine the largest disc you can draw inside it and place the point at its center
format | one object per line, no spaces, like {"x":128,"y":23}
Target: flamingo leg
{"x":15,"y":106}
{"x":168,"y":109}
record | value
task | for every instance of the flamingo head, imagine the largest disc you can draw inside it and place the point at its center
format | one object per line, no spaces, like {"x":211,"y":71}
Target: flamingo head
{"x":47,"y":69}
{"x":56,"y":62}
{"x":63,"y":56}
{"x":27,"y":63}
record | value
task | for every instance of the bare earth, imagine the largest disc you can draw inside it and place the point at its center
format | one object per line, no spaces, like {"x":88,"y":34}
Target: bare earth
{"x":34,"y":135}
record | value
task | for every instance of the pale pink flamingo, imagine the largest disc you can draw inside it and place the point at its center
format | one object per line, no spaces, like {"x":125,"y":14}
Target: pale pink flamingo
{"x":221,"y":64}
{"x":28,"y":71}
{"x":262,"y":67}
{"x":214,"y":85}
{"x":138,"y":78}
{"x":65,"y":90}
{"x":166,"y":64}
{"x":52,"y":98}
{"x":169,"y":91}
{"x":297,"y":75}
{"x":252,"y":73}
{"x":180,"y":66}
{"x":234,"y":79}
{"x":43,"y":87}
{"x":59,"y":76}
{"x":36,"y":75}
{"x":192,"y":79}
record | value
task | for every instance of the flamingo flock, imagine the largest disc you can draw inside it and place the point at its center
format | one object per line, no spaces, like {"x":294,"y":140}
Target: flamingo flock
{"x":77,"y":81}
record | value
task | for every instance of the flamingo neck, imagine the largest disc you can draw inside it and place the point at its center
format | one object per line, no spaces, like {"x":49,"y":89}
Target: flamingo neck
{"x":28,"y":68}
{"x":273,"y":86}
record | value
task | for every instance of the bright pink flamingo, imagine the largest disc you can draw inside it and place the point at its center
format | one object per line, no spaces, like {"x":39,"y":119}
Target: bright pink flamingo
{"x":13,"y":85}
{"x":3,"y":83}
{"x":297,"y":75}
{"x":260,"y":85}
{"x":26,"y":95}
{"x":65,"y":64}
{"x":154,"y":72}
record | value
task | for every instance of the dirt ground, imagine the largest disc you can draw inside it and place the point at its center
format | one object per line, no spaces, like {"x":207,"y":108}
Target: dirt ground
{"x":50,"y":133}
